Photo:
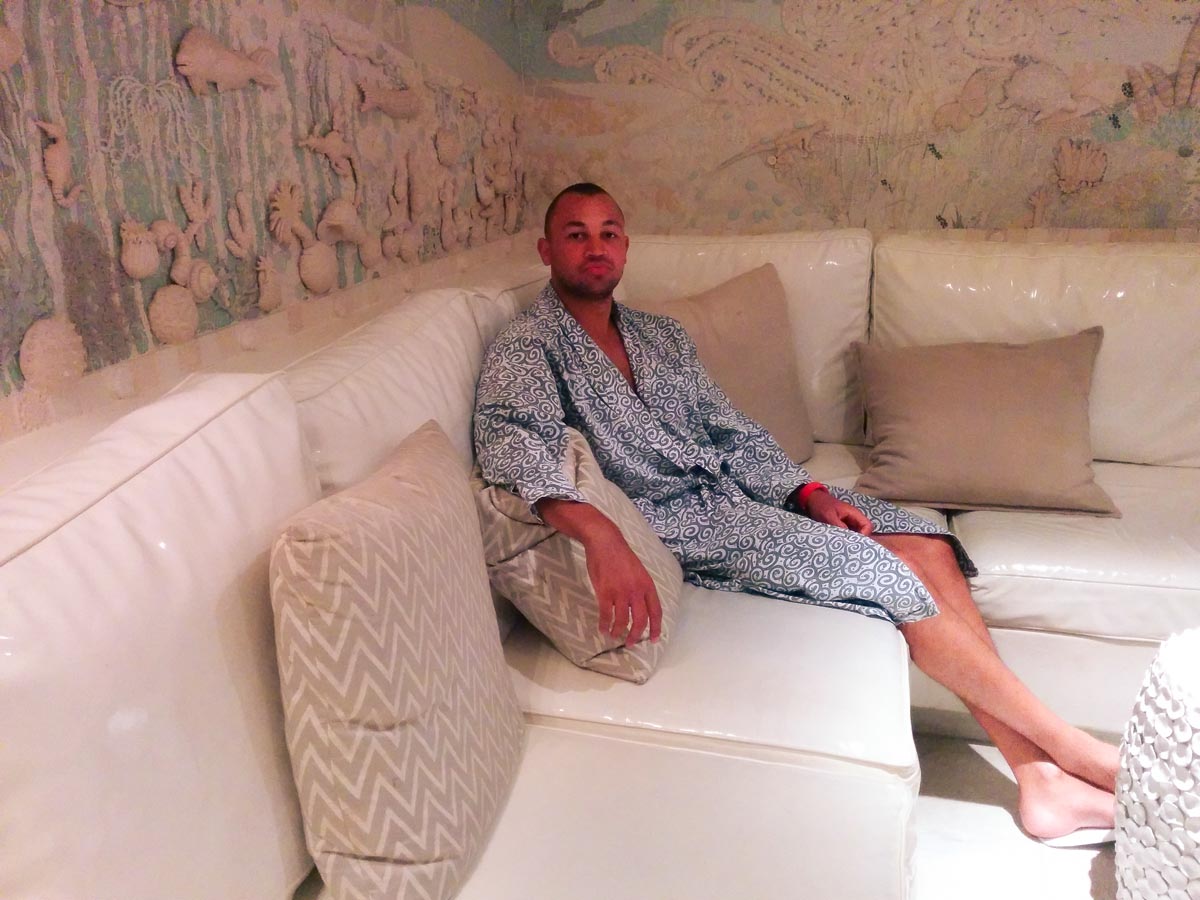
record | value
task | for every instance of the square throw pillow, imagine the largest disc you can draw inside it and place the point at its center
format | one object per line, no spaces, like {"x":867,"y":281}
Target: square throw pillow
{"x":544,"y":572}
{"x":743,"y":336}
{"x":401,"y":720}
{"x":983,"y":426}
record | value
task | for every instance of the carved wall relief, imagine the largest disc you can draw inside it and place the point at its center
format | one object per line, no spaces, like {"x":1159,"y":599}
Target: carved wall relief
{"x":318,"y":260}
{"x":11,"y":48}
{"x":56,"y":161}
{"x":202,"y":59}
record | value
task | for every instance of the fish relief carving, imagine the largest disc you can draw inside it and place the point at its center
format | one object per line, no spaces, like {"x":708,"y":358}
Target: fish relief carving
{"x":201,"y":59}
{"x":399,"y":103}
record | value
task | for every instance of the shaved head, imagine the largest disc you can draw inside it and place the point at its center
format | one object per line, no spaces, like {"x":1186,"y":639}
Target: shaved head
{"x":579,"y":189}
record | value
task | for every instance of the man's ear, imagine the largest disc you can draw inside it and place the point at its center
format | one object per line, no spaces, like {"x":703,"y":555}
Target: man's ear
{"x":543,"y":248}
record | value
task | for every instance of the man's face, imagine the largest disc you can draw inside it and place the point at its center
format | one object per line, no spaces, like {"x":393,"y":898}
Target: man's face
{"x":585,"y":248}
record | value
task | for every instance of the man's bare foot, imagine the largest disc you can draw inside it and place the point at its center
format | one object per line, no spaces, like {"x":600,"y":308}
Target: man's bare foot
{"x":1089,"y":759}
{"x":1053,"y":803}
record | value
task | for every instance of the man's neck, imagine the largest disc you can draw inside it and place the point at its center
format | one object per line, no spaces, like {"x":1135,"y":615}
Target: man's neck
{"x":594,"y":315}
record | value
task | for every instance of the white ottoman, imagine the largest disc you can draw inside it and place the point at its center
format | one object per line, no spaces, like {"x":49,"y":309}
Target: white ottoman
{"x":1158,"y":788}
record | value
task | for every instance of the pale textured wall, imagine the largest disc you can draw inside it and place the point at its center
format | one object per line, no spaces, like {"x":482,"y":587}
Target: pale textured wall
{"x":757,"y":116}
{"x":705,"y":115}
{"x":133,"y":145}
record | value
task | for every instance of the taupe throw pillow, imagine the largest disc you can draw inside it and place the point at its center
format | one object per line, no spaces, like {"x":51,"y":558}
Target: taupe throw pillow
{"x":402,"y":723}
{"x":544,"y":572}
{"x":983,"y":426}
{"x":743,"y":337}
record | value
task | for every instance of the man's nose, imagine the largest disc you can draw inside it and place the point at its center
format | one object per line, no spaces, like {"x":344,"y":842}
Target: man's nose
{"x":595,"y":247}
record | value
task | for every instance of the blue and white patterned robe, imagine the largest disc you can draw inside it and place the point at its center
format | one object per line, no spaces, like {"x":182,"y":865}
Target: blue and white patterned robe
{"x":710,"y":481}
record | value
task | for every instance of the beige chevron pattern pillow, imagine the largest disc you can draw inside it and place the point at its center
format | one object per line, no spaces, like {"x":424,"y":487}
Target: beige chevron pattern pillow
{"x":544,"y":572}
{"x":401,"y":720}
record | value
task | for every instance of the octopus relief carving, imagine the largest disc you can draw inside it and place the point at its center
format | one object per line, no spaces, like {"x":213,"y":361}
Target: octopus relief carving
{"x":56,"y":161}
{"x":202,"y":58}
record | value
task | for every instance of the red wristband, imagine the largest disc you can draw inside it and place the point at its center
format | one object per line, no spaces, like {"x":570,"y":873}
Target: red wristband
{"x":807,"y":491}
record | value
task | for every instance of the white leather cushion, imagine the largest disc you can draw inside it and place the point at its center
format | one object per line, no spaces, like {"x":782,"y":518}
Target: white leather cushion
{"x":401,"y":722}
{"x":596,"y":817}
{"x":1137,"y":577}
{"x":1145,"y":400}
{"x":826,"y":278}
{"x":142,"y":753}
{"x":746,"y":669}
{"x":363,"y":394}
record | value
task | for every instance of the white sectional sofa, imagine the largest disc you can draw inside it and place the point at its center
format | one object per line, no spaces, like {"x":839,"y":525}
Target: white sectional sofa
{"x":770,"y":755}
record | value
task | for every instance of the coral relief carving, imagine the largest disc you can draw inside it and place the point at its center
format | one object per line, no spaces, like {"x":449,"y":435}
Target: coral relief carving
{"x":202,"y":58}
{"x":144,"y":116}
{"x":270,"y":294}
{"x":56,"y":161}
{"x":1152,"y":89}
{"x":172,"y":320}
{"x":240,"y":221}
{"x":1078,"y":164}
{"x":318,"y":260}
{"x":335,"y":148}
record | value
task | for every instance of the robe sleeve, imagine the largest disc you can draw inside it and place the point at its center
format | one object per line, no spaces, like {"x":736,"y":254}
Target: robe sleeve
{"x":520,"y":434}
{"x":752,"y":457}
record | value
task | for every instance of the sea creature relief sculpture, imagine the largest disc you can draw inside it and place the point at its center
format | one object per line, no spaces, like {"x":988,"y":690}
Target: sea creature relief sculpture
{"x":202,"y":59}
{"x":56,"y":161}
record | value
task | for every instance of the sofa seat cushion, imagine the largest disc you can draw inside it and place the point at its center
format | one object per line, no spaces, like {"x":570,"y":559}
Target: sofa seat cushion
{"x":594,"y":816}
{"x":745,"y":669}
{"x":1137,"y":577}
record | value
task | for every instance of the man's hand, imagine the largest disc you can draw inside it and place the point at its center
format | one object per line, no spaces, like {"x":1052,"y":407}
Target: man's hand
{"x":626,"y":598}
{"x":823,"y":507}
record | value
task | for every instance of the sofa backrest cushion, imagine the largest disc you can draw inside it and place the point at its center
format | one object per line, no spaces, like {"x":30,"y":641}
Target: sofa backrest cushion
{"x":402,"y":722}
{"x":142,"y":753}
{"x":826,"y":277}
{"x":1145,"y":401}
{"x":364,"y":393}
{"x":744,"y":339}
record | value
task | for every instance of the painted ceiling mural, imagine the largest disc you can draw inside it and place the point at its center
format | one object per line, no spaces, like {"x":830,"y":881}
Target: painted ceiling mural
{"x":889,"y":114}
{"x":169,"y":168}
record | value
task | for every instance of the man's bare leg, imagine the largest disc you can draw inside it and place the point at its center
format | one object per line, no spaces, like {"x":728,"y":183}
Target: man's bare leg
{"x":1052,"y":802}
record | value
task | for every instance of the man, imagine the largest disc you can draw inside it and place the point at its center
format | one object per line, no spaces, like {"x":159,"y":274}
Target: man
{"x":736,"y":512}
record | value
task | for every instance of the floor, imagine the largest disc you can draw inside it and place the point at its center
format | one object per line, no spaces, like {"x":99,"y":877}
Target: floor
{"x":968,"y":843}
